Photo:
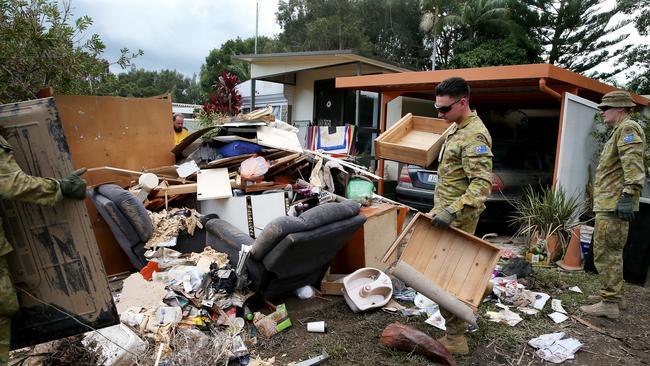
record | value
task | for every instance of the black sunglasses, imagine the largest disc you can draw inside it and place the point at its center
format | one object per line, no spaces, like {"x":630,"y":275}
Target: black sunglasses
{"x":446,"y":108}
{"x":604,"y":108}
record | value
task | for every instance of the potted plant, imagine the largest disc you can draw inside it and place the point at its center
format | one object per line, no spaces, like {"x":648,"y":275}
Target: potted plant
{"x":546,"y":218}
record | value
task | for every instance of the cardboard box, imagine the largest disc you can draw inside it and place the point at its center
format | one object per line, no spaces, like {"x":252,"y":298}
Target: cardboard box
{"x":413,"y":140}
{"x":332,"y":284}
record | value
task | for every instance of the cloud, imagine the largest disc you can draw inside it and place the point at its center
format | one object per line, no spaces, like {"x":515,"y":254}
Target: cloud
{"x":174,"y":34}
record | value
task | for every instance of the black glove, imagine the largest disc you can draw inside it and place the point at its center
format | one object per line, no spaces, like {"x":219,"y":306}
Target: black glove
{"x":73,"y":186}
{"x":625,"y":207}
{"x":443,"y":219}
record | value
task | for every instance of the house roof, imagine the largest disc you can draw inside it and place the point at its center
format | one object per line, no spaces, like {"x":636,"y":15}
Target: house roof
{"x":521,"y":81}
{"x":268,"y":66}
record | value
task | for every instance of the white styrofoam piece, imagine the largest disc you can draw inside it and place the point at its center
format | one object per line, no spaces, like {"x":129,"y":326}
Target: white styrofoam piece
{"x":187,"y":169}
{"x":266,"y":208}
{"x":212,"y":184}
{"x":120,"y":335}
{"x":279,"y":139}
{"x":231,"y":209}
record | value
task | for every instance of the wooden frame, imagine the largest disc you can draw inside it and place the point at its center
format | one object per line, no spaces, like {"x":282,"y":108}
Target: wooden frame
{"x":452,"y":259}
{"x":413,"y":139}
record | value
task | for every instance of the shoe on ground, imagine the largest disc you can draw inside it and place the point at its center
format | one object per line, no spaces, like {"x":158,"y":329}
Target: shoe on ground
{"x":456,"y":344}
{"x":605,"y":309}
{"x":622,"y":305}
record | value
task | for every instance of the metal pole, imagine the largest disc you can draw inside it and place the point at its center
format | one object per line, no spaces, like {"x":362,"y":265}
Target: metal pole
{"x":257,"y":16}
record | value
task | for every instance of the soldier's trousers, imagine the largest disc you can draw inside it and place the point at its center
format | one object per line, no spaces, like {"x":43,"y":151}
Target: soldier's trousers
{"x":456,"y":326}
{"x":610,"y":236}
{"x":8,"y":306}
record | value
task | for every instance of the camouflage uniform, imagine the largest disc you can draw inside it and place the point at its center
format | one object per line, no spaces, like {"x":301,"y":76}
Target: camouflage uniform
{"x":620,"y":170}
{"x":464,"y":183}
{"x":16,"y":185}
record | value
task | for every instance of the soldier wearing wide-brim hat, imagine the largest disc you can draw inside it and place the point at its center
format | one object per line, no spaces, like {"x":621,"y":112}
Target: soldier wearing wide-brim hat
{"x":619,"y":179}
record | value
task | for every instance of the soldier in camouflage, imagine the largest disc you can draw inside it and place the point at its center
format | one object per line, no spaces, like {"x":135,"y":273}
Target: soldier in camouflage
{"x":619,"y":179}
{"x":16,"y":185}
{"x":464,"y":179}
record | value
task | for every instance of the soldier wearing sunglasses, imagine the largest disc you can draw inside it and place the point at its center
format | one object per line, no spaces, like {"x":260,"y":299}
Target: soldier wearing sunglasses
{"x":464,"y":179}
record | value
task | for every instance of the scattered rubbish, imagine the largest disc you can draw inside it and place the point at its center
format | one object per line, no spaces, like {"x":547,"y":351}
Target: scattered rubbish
{"x":407,"y":294}
{"x":540,"y":300}
{"x":317,"y":327}
{"x":402,"y":337}
{"x":553,"y":348}
{"x":575,"y":289}
{"x":556,"y":305}
{"x":273,"y":323}
{"x":558,"y":317}
{"x":186,"y":169}
{"x":305,"y":292}
{"x":506,"y":316}
{"x":519,"y":267}
{"x":437,"y":320}
{"x":313,"y":361}
{"x":393,"y":307}
{"x":119,"y":345}
{"x":138,"y":292}
{"x":528,"y":311}
{"x":367,"y":288}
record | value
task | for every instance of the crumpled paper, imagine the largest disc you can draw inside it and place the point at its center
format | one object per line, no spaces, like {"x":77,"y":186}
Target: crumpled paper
{"x":553,"y":348}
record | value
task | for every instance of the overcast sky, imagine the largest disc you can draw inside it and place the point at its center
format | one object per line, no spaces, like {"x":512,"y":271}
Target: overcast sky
{"x":174,"y":34}
{"x":178,"y":35}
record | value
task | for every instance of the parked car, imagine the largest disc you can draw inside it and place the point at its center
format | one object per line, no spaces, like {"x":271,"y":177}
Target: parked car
{"x":515,"y":166}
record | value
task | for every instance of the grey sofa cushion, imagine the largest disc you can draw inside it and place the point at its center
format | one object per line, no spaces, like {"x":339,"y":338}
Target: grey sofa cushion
{"x":131,"y":208}
{"x":318,"y":216}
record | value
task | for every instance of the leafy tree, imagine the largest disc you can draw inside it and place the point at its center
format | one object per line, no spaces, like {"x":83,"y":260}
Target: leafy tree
{"x":638,"y":59}
{"x":220,"y":60}
{"x":143,"y":83}
{"x":41,"y":44}
{"x":226,"y":99}
{"x":575,"y":34}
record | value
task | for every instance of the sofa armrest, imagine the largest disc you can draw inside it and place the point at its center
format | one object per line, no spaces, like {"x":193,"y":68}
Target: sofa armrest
{"x":228,"y":238}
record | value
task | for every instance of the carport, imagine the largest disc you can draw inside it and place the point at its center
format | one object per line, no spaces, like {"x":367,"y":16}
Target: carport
{"x":568,"y":101}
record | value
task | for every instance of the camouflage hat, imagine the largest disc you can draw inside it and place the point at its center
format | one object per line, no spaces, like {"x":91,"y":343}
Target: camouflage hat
{"x":617,"y":99}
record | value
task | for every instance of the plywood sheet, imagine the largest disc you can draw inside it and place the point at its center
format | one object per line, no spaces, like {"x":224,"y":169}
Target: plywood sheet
{"x":279,"y":139}
{"x":212,"y":184}
{"x":455,"y":261}
{"x":55,"y":257}
{"x":233,"y":209}
{"x":266,"y":208}
{"x":128,"y":133}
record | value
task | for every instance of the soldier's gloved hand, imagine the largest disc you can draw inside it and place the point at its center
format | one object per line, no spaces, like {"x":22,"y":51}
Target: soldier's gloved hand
{"x":625,"y":207}
{"x":443,"y":218}
{"x":73,"y":186}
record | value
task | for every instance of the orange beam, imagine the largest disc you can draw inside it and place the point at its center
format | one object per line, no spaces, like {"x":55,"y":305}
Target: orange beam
{"x":514,"y":74}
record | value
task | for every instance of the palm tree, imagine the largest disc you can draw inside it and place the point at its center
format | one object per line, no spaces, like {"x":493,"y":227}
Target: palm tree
{"x":484,"y":16}
{"x":436,"y":16}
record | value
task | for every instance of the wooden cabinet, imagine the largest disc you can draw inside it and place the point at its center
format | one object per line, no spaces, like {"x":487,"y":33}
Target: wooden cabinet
{"x":368,"y":245}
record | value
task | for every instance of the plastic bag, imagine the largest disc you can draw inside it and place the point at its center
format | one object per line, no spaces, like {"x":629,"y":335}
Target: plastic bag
{"x":254,"y":168}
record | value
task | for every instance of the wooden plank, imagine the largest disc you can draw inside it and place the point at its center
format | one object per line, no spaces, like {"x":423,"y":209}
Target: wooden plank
{"x":176,"y":189}
{"x":263,"y":187}
{"x":399,"y":239}
{"x":227,"y":161}
{"x":176,"y":150}
{"x":212,"y":184}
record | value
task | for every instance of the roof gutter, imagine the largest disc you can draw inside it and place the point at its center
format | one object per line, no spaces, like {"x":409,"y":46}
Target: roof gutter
{"x":545,"y":89}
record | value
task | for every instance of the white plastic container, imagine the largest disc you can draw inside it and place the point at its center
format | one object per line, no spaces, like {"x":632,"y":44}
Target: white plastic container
{"x":119,"y":335}
{"x":367,"y":288}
